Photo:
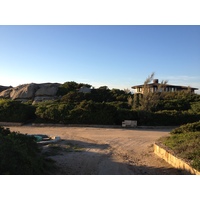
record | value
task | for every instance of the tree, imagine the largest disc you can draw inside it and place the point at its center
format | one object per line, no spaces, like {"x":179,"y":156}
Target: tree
{"x":70,"y":86}
{"x":151,"y":98}
{"x":136,"y":101}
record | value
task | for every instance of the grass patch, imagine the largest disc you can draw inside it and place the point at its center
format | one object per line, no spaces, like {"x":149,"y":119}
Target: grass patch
{"x":185,"y":145}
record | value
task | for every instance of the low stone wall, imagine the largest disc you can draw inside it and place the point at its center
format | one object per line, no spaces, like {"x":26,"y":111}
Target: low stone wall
{"x":172,"y":160}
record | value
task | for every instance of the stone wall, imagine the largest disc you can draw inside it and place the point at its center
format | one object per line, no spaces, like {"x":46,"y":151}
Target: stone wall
{"x":174,"y":161}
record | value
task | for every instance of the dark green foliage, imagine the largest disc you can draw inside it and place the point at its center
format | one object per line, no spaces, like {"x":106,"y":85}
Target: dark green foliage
{"x":20,"y":155}
{"x":94,"y":113}
{"x":174,"y":118}
{"x":85,"y":112}
{"x":160,"y":108}
{"x":125,"y":114}
{"x":120,"y":105}
{"x":144,"y":118}
{"x":181,"y":95}
{"x":136,"y":101}
{"x":174,"y":104}
{"x":165,"y":118}
{"x":53,"y":112}
{"x":102,"y":94}
{"x":195,"y":107}
{"x":188,"y":127}
{"x":74,"y":97}
{"x":69,"y":87}
{"x":118,"y":95}
{"x":14,"y":111}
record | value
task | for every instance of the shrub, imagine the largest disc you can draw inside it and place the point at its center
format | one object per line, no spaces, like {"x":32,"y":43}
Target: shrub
{"x":89,"y":112}
{"x":144,"y":117}
{"x":173,"y":118}
{"x":189,"y":127}
{"x":195,"y":107}
{"x":54,"y":113}
{"x":125,"y":114}
{"x":20,"y":155}
{"x":14,"y":111}
{"x":173,"y":104}
{"x":186,"y":146}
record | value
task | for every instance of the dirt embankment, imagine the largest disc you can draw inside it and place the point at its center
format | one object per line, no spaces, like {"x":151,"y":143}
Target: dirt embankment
{"x":104,"y":151}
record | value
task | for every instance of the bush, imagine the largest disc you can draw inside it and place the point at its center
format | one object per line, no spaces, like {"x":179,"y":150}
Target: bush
{"x":189,"y":127}
{"x":195,"y":107}
{"x":174,"y":104}
{"x":85,"y":112}
{"x":186,"y":146}
{"x":20,"y":155}
{"x":53,"y":112}
{"x":89,"y":112}
{"x":125,"y":114}
{"x":144,"y":117}
{"x":14,"y":111}
{"x":173,"y":118}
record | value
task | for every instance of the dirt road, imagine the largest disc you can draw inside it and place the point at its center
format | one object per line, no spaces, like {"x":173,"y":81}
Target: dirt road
{"x":106,"y":151}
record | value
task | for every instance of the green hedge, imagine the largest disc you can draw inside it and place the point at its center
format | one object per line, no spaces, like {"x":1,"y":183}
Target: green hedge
{"x":14,"y":111}
{"x":189,"y":127}
{"x":20,"y":155}
{"x":86,"y":112}
{"x":174,"y":118}
{"x":91,"y":112}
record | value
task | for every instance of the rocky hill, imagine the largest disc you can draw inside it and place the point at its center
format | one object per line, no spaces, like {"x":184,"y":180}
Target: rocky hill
{"x":32,"y":91}
{"x":2,"y":88}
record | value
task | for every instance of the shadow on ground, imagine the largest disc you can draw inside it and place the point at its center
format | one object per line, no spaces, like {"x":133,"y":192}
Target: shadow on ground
{"x":75,"y":157}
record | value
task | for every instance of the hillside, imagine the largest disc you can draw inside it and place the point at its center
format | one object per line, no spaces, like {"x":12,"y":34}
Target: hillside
{"x":2,"y":88}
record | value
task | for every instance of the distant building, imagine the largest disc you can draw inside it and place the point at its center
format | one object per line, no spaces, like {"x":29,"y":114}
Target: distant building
{"x":85,"y":89}
{"x":155,"y":86}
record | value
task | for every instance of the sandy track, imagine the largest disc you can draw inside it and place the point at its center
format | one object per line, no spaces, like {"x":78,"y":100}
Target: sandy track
{"x":107,"y":151}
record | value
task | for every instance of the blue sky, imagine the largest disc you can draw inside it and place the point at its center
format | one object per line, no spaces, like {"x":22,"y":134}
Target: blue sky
{"x":118,"y":56}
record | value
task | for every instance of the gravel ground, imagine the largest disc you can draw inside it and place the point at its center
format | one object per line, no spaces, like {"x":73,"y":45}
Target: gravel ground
{"x":104,"y":151}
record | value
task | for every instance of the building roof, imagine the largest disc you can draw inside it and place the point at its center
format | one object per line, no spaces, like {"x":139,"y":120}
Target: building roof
{"x":156,"y":84}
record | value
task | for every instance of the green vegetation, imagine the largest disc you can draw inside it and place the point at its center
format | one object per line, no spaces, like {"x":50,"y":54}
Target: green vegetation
{"x":189,"y":127}
{"x":20,"y":155}
{"x":14,"y":111}
{"x":185,"y":143}
{"x":69,"y":87}
{"x":105,"y":106}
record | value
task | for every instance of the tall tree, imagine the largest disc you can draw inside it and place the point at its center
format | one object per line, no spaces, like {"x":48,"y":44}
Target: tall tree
{"x":151,"y":98}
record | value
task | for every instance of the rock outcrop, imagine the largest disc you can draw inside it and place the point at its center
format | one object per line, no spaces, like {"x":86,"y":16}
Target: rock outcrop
{"x":48,"y":89}
{"x":26,"y":91}
{"x":33,"y":91}
{"x":2,"y":88}
{"x":6,"y":93}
